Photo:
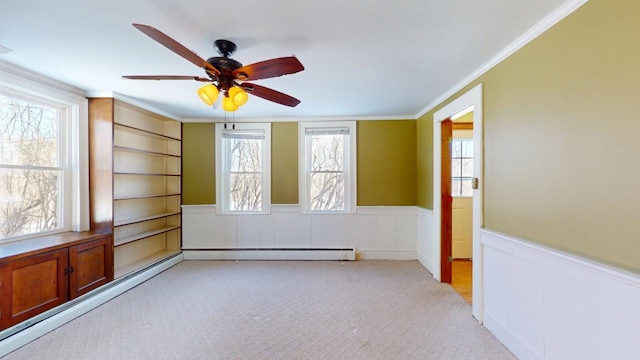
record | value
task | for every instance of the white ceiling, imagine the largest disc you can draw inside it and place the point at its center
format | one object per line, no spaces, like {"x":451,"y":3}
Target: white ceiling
{"x":362,"y":58}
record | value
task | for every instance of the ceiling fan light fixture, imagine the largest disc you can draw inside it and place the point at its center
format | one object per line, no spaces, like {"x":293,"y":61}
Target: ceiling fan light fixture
{"x":208,"y":94}
{"x":238,"y":96}
{"x":228,"y":105}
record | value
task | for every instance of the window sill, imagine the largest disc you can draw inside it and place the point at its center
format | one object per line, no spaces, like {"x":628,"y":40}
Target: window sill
{"x":14,"y":250}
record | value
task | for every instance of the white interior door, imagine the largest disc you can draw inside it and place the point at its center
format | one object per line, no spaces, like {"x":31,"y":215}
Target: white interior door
{"x":462,"y":228}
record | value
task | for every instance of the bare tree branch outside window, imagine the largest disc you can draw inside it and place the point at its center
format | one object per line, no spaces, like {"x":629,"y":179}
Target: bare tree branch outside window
{"x":245,"y":174}
{"x":30,"y":173}
{"x":327,"y":175}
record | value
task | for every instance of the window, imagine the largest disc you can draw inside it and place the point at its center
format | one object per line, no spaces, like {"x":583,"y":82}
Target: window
{"x":461,"y":167}
{"x":327,"y":166}
{"x":243,"y":168}
{"x":34,"y":166}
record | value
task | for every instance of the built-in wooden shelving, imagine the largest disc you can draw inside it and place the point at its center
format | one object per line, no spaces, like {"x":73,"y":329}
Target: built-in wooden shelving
{"x":146,"y":185}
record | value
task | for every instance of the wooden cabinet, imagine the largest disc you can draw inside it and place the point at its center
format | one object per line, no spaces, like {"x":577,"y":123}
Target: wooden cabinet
{"x":145,"y":187}
{"x":33,"y":285}
{"x":36,"y":280}
{"x":90,"y":266}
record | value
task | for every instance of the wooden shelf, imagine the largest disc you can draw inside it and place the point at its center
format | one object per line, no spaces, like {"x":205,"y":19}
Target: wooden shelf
{"x":143,"y":218}
{"x":143,"y":132}
{"x":145,"y":152}
{"x":134,"y":197}
{"x":144,"y":262}
{"x":143,"y":235}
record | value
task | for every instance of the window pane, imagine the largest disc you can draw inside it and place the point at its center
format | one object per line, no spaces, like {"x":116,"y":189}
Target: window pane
{"x":246,"y":192}
{"x":456,"y":150}
{"x":467,"y":168}
{"x":245,"y":155}
{"x":28,"y":201}
{"x":327,"y":191}
{"x":456,"y":167}
{"x":327,"y":152}
{"x":466,"y":189}
{"x":466,"y":148}
{"x":455,"y":187}
{"x":28,"y":133}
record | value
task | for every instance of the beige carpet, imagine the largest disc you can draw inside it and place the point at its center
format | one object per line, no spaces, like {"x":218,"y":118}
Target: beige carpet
{"x":277,"y":310}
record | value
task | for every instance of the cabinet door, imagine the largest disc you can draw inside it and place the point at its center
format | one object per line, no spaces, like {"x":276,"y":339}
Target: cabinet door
{"x":32,"y":285}
{"x":91,"y":265}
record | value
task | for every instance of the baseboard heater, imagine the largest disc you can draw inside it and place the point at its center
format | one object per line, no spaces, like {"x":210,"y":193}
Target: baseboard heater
{"x":344,"y":254}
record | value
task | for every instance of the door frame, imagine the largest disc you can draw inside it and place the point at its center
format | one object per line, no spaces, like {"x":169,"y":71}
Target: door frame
{"x":472,"y":98}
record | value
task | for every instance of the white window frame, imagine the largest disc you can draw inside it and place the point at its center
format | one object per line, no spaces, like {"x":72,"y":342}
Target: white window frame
{"x":304,"y":162}
{"x":73,"y":131}
{"x":222,"y":185}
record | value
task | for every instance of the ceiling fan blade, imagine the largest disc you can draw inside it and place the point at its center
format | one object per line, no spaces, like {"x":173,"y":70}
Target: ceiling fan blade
{"x":176,"y":47}
{"x":166,"y":77}
{"x":270,"y":94}
{"x":269,"y":68}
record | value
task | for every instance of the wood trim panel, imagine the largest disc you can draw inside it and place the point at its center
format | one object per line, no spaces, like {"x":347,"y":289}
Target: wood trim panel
{"x":462,"y":126}
{"x":101,"y":113}
{"x":445,"y":202}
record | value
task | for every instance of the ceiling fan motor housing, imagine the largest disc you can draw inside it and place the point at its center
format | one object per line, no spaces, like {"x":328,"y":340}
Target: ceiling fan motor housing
{"x":226,"y":66}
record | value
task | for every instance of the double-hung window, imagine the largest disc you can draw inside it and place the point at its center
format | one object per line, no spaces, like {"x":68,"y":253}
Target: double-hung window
{"x":35,"y":177}
{"x":243,"y":168}
{"x":327,"y":165}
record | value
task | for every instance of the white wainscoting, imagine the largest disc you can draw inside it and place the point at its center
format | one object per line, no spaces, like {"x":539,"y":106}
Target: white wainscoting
{"x":544,"y":304}
{"x":425,"y":242}
{"x":376,"y":232}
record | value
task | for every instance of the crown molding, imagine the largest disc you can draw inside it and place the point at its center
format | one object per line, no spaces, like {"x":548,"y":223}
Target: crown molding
{"x":543,"y":25}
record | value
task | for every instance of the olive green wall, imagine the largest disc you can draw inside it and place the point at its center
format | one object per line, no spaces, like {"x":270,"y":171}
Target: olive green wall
{"x":561,"y":130}
{"x":424,"y":161}
{"x":284,"y":163}
{"x":386,"y":163}
{"x":198,"y":164}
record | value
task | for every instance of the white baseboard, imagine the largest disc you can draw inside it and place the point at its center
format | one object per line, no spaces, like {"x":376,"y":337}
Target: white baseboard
{"x":271,"y":254}
{"x":82,"y":305}
{"x":509,"y":339}
{"x":425,"y":261}
{"x":545,"y":304}
{"x":387,"y":254}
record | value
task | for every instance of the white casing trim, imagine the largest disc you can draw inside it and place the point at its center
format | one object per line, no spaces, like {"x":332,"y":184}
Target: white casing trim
{"x":472,"y":98}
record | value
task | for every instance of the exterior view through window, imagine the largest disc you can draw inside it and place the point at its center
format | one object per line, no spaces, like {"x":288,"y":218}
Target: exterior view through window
{"x":327,"y":165}
{"x":244,"y":171}
{"x":243,"y":168}
{"x":31,"y":167}
{"x":327,"y":173}
{"x":461,"y":167}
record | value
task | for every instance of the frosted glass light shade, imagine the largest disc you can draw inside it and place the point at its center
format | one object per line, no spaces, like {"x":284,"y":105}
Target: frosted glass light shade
{"x":238,"y":95}
{"x":208,"y":94}
{"x":228,"y":105}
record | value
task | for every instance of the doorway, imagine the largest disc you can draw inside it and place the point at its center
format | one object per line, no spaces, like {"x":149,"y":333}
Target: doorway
{"x":461,"y":158}
{"x":471,"y":100}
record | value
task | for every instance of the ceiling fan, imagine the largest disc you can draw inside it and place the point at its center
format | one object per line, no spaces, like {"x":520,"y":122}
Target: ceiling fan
{"x":226,"y":76}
